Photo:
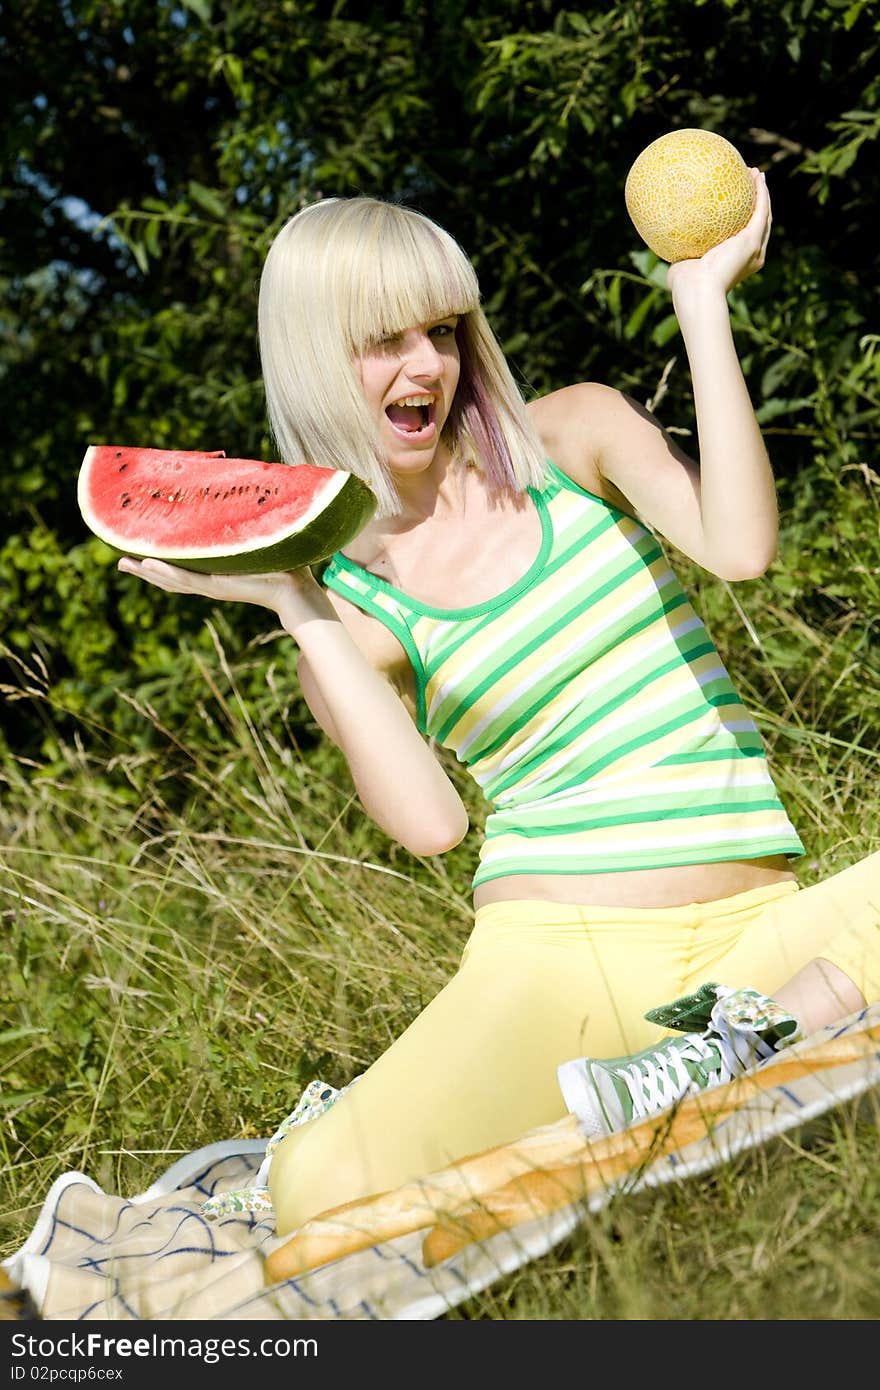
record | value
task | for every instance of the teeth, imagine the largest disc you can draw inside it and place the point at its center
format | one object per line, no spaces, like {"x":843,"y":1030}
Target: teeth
{"x":414,"y":400}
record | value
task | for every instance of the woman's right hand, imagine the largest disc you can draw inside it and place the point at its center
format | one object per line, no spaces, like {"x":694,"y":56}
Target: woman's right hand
{"x":287,"y":590}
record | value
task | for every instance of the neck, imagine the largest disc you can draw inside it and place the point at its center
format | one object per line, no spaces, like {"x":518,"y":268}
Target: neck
{"x":436,"y":491}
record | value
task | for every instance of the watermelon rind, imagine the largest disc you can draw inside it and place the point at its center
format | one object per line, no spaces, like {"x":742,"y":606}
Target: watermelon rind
{"x":342,"y":507}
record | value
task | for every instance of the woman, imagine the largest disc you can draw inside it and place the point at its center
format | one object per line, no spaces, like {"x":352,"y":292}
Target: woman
{"x":511,"y":601}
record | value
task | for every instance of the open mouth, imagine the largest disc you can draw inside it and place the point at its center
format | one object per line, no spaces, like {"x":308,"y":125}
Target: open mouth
{"x":413,"y":417}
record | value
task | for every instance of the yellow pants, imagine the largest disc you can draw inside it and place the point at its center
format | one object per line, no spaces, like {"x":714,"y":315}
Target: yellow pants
{"x":540,"y":983}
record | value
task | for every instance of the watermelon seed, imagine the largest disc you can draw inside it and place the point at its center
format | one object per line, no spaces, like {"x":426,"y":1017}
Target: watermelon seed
{"x":157,"y":494}
{"x":127,"y":502}
{"x":260,"y":501}
{"x":122,"y":466}
{"x":216,"y":494}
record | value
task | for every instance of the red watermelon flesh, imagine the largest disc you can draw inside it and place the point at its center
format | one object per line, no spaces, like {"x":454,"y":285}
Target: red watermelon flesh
{"x":213,"y":514}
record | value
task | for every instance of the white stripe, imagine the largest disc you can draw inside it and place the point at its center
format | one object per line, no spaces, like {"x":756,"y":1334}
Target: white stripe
{"x":589,"y":795}
{"x":563,"y":846}
{"x":581,"y":695}
{"x":711,"y":720}
{"x":634,"y":594}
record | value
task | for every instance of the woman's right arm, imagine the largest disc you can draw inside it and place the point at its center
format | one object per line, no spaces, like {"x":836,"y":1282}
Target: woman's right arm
{"x":399,"y":781}
{"x":401,"y":785}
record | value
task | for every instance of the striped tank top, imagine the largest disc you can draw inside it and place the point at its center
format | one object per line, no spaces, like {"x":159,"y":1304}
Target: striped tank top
{"x":589,"y":704}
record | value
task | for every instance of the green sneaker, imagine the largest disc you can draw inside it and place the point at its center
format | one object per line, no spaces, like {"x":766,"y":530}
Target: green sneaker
{"x":741,"y":1029}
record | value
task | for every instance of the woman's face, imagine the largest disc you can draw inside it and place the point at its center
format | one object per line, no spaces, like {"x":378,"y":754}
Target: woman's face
{"x":409,"y":382}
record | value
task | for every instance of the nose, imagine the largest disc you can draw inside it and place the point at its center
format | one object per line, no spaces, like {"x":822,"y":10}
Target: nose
{"x":423,"y":360}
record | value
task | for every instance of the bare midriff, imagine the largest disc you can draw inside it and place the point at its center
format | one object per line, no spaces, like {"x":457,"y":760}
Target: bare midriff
{"x":672,"y":887}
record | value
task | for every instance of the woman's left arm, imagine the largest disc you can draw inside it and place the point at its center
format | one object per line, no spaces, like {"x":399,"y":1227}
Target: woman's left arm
{"x":721,"y":512}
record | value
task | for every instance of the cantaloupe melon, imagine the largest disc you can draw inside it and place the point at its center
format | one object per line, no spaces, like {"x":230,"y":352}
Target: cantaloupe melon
{"x":687,"y":191}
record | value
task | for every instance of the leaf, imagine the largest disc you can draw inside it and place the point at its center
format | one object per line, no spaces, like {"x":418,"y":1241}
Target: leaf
{"x":151,"y":238}
{"x":778,"y":371}
{"x":665,"y":330}
{"x":200,"y":8}
{"x":137,"y":250}
{"x":639,"y":313}
{"x":14,"y":1034}
{"x":772,"y":409}
{"x":14,"y":1100}
{"x":207,"y":199}
{"x":614,"y":295}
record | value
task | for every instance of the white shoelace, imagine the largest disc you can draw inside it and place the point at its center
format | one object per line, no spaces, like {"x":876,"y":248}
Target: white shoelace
{"x":662,"y":1078}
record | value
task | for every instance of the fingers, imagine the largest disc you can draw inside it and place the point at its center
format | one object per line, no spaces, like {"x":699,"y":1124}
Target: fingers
{"x":171,"y":578}
{"x":762,"y":216}
{"x":265,"y":590}
{"x":737,"y":257}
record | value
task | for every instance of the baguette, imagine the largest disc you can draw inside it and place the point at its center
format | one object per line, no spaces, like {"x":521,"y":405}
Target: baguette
{"x":541,"y":1193}
{"x":356,"y":1225}
{"x":546,"y":1168}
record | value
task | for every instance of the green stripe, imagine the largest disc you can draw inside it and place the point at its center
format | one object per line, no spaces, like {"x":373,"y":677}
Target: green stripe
{"x":631,"y":819}
{"x":616,"y":751}
{"x":458,"y":638}
{"x":521,"y":652}
{"x":753,"y":749}
{"x":662,"y":859}
{"x":635,"y":681}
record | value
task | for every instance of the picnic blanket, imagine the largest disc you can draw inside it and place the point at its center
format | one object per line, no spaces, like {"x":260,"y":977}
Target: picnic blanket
{"x":416,"y":1252}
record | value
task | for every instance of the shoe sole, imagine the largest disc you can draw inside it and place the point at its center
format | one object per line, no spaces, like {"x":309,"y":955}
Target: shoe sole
{"x":583,"y":1100}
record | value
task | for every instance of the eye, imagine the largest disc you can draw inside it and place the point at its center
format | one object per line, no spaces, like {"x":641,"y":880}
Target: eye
{"x":390,"y":343}
{"x":443,"y":330}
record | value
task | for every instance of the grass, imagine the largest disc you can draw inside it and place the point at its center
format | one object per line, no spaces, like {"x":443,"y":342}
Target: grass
{"x":194,"y":928}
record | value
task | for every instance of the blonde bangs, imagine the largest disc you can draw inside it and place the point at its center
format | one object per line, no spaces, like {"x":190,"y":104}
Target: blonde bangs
{"x":405,"y":271}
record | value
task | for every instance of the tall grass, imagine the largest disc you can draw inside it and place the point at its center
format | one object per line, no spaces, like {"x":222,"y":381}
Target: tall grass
{"x":194,"y":928}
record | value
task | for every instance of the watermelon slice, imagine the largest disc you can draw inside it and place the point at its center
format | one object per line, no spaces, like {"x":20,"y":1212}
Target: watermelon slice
{"x":216,"y":515}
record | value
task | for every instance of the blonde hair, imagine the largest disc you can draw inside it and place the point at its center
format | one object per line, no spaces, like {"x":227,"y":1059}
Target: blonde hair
{"x":341,"y":275}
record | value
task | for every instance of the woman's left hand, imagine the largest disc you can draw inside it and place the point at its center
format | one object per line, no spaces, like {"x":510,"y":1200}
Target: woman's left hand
{"x":732,"y":260}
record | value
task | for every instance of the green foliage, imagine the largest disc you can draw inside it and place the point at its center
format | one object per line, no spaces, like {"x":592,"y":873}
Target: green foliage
{"x":152,"y":150}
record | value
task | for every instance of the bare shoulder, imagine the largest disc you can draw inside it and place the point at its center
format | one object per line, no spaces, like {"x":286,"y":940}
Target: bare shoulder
{"x":575,"y":424}
{"x":609,"y":443}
